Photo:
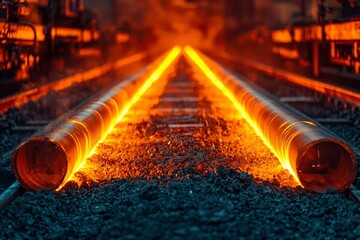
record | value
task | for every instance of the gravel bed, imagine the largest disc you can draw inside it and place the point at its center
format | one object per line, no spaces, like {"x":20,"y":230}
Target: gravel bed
{"x":211,"y":206}
{"x":214,"y":182}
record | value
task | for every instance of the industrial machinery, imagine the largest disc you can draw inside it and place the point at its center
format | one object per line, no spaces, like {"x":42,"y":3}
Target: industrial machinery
{"x":34,"y":31}
{"x":332,"y":41}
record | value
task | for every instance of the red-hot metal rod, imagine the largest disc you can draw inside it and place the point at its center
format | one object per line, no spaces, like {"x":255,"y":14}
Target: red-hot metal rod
{"x":318,"y":159}
{"x":34,"y":94}
{"x":48,"y":160}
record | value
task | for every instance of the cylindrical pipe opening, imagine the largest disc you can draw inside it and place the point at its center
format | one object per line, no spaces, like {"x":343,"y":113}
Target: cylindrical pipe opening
{"x":326,"y":166}
{"x":41,"y":163}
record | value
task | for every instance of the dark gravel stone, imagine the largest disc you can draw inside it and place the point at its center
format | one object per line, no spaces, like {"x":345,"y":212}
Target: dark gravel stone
{"x":143,"y":209}
{"x":150,"y":193}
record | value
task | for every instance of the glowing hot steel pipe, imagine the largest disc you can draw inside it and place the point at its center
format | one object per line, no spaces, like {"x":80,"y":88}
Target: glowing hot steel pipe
{"x":316,"y":159}
{"x":49,"y":160}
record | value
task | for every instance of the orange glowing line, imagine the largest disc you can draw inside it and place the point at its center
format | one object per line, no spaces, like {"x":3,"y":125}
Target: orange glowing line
{"x":156,"y":74}
{"x":34,"y":94}
{"x":310,"y":123}
{"x":281,"y":36}
{"x":84,"y":126}
{"x":219,"y":84}
{"x":152,"y":79}
{"x":325,"y":88}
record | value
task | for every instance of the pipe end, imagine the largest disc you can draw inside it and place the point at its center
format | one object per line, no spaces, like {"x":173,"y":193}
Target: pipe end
{"x":40,"y":164}
{"x":326,"y":166}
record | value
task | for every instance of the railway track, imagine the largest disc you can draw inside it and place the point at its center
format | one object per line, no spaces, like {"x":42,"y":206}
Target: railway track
{"x":334,"y":90}
{"x":184,"y":133}
{"x":24,"y":97}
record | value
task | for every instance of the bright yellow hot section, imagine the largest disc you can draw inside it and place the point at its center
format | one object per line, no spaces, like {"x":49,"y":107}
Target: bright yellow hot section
{"x":151,"y":80}
{"x":194,"y":56}
{"x":155,"y":75}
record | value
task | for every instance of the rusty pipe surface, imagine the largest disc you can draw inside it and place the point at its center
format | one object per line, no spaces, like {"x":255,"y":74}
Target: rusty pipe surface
{"x":315,"y":157}
{"x":48,"y":160}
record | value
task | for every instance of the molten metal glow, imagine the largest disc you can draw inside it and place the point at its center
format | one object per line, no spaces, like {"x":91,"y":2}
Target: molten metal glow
{"x":286,"y":52}
{"x":164,"y":143}
{"x":156,"y":74}
{"x":345,"y":31}
{"x":219,"y":84}
{"x":150,"y":81}
{"x":24,"y":32}
{"x":281,"y":36}
{"x":122,"y":37}
{"x":309,"y":33}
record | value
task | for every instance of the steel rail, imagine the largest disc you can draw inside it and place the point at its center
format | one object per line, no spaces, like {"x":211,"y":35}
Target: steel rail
{"x":316,"y":158}
{"x":49,"y":160}
{"x":324,"y":88}
{"x":36,"y":93}
{"x":10,"y":194}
